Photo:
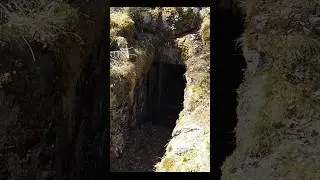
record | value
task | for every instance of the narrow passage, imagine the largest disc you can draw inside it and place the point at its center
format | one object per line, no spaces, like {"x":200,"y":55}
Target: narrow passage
{"x":146,"y":146}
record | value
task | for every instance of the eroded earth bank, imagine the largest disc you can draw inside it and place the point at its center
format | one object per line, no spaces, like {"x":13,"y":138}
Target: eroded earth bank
{"x":52,"y":89}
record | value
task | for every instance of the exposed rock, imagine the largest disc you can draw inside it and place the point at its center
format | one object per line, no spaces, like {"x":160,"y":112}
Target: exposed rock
{"x":180,"y":20}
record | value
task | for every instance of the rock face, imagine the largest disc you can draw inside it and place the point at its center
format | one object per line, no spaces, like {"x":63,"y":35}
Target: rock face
{"x":278,"y":128}
{"x":51,"y":87}
{"x":140,"y":104}
{"x":161,"y":35}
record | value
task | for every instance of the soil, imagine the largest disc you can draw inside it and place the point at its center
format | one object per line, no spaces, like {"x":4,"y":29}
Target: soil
{"x":144,"y":149}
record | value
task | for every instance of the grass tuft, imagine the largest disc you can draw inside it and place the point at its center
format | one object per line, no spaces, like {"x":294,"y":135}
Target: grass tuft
{"x":37,"y":21}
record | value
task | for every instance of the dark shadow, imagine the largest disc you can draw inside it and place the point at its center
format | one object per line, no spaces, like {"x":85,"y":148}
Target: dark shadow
{"x":228,"y":66}
{"x":166,"y":93}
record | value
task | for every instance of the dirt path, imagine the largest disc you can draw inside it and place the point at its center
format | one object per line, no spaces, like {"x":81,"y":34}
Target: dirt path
{"x":144,"y":150}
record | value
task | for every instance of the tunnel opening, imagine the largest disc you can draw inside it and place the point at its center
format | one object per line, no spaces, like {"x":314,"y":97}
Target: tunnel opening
{"x":159,"y":99}
{"x":166,"y":84}
{"x":229,"y":66}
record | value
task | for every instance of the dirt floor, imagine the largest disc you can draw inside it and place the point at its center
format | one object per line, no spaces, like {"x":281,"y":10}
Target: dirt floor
{"x":145,"y":148}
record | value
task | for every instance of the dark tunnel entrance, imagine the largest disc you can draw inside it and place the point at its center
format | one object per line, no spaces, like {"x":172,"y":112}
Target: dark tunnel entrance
{"x":166,"y":85}
{"x":229,"y":64}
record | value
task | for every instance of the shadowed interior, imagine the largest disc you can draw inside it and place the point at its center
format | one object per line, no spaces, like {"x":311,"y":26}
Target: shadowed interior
{"x":228,"y":74}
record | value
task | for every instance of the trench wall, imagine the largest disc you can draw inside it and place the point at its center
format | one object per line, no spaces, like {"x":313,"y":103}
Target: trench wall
{"x":278,"y":128}
{"x":47,"y":92}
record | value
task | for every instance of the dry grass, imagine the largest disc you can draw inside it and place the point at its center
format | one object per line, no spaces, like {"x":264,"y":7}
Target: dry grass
{"x":205,"y":29}
{"x":125,"y":64}
{"x":25,"y":24}
{"x":205,"y":32}
{"x":279,"y":95}
{"x":121,"y":24}
{"x":40,"y":21}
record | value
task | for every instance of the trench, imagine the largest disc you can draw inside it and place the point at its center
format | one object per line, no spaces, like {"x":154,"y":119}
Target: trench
{"x":165,"y":84}
{"x":229,"y":65}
